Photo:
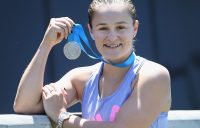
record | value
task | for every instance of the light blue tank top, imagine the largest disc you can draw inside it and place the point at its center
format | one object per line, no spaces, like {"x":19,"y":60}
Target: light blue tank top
{"x":105,"y":109}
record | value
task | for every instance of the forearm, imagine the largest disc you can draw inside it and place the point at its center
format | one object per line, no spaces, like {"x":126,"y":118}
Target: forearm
{"x":31,"y":83}
{"x":77,"y":122}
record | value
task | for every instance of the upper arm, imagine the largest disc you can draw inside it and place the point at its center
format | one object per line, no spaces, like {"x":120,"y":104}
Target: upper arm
{"x":74,"y":82}
{"x":151,"y":96}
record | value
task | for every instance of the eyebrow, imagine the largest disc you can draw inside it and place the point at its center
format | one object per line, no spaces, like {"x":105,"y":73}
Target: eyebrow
{"x":121,"y":22}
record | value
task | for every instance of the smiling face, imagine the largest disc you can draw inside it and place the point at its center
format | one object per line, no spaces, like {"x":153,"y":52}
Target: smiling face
{"x":113,"y":31}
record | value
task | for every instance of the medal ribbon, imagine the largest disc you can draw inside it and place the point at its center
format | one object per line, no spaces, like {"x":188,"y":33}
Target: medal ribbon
{"x":78,"y":34}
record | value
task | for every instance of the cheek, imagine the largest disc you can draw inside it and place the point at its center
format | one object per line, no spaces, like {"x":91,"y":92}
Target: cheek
{"x":99,"y":36}
{"x":127,"y":38}
{"x":127,"y":33}
{"x":98,"y":39}
{"x":128,"y":42}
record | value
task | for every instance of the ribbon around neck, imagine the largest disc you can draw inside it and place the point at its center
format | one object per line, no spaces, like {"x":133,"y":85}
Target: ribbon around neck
{"x":78,"y":34}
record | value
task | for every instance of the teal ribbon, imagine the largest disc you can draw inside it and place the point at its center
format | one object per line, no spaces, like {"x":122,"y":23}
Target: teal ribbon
{"x":78,"y":34}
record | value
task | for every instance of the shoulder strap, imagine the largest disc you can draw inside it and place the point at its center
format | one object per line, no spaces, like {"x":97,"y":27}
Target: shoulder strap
{"x":137,"y":75}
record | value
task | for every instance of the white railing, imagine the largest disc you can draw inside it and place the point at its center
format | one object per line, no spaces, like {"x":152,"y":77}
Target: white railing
{"x":177,"y":119}
{"x":184,"y":119}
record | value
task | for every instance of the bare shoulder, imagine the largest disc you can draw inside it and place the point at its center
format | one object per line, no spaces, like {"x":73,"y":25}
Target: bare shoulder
{"x":155,"y":71}
{"x":154,"y":82}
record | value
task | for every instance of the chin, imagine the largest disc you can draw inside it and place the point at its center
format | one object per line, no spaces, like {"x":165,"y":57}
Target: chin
{"x":114,"y":59}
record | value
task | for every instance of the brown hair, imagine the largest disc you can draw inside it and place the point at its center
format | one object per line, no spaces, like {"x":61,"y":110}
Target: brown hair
{"x":95,"y":4}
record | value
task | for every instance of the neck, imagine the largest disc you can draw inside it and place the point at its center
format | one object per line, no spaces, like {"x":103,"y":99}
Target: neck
{"x":113,"y":72}
{"x":124,"y":62}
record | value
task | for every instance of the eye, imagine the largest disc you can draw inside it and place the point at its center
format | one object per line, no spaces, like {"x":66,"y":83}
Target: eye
{"x":103,"y":28}
{"x":120,"y":27}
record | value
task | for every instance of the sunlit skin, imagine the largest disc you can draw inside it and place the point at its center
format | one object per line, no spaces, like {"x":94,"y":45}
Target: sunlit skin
{"x":113,"y":36}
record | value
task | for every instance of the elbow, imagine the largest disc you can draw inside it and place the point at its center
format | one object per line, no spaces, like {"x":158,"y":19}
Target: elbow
{"x":28,"y":108}
{"x":18,"y":108}
{"x":22,"y":109}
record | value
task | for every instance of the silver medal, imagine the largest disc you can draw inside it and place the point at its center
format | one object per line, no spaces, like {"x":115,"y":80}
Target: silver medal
{"x":72,"y":50}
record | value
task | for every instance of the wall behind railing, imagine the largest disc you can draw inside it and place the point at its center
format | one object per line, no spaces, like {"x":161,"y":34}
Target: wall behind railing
{"x":177,"y":119}
{"x":168,"y":34}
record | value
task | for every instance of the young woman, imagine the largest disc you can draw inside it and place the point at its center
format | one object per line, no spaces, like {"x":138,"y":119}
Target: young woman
{"x":135,"y":96}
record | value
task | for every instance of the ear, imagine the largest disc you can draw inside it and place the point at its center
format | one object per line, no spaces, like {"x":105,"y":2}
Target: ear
{"x":136,"y":25}
{"x":90,"y":30}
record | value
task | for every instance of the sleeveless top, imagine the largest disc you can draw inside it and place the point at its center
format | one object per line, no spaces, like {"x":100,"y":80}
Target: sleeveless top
{"x":105,"y":109}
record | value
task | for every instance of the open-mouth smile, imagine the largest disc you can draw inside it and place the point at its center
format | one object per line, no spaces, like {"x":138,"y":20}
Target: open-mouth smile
{"x":112,"y":45}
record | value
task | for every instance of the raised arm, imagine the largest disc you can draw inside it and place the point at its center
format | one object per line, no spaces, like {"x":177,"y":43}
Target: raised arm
{"x":29,"y":94}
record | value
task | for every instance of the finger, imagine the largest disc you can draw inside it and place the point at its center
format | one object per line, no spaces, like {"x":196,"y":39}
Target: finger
{"x":44,"y":95}
{"x":50,"y":22}
{"x":55,"y":88}
{"x":69,"y":23}
{"x":45,"y":92}
{"x":61,"y":31}
{"x":65,"y":94}
{"x":46,"y":89}
{"x":69,"y":28}
{"x":66,"y":20}
{"x":53,"y":92}
{"x":72,"y":23}
{"x":48,"y":94}
{"x":49,"y":87}
{"x":58,"y":30}
{"x":50,"y":91}
{"x":59,"y":26}
{"x":70,"y":20}
{"x":63,"y":27}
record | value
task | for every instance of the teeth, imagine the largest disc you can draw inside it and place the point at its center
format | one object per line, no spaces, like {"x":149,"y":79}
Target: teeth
{"x":112,"y":45}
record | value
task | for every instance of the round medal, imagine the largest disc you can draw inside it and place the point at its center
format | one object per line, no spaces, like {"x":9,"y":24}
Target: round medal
{"x":72,"y":50}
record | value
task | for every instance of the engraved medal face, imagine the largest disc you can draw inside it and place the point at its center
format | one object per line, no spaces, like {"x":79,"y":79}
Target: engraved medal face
{"x":72,"y":50}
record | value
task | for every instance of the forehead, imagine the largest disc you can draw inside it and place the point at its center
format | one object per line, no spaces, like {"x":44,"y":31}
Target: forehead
{"x":110,"y":13}
{"x":113,"y":6}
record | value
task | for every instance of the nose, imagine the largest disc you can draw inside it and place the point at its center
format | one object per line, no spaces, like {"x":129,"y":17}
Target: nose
{"x":112,"y":36}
